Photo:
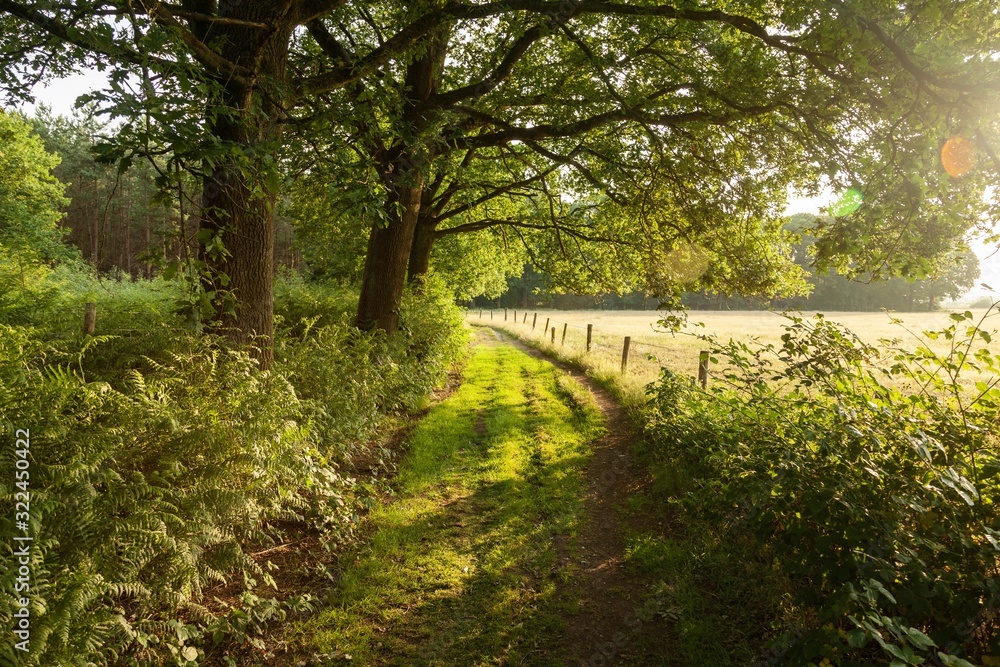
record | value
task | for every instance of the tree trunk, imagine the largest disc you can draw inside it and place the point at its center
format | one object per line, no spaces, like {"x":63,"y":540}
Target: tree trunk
{"x":385,"y":265}
{"x":237,"y":198}
{"x":245,"y":223}
{"x":420,"y":252}
{"x":389,"y":248}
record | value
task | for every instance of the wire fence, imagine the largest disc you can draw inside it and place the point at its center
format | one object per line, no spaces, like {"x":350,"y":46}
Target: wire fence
{"x":637,"y":357}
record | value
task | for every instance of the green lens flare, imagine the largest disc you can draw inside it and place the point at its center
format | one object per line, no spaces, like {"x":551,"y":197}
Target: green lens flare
{"x":848,"y":203}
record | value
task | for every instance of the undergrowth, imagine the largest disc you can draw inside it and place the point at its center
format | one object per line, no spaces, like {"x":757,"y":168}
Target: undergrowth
{"x":162,"y":461}
{"x":861,"y":481}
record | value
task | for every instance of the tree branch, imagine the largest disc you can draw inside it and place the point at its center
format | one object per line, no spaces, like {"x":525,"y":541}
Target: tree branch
{"x":221,"y":20}
{"x":201,"y":51}
{"x":539,"y":132}
{"x":59,"y":30}
{"x":329,"y":43}
{"x":918,"y":72}
{"x":487,"y":223}
{"x":307,"y":10}
{"x":495,"y":78}
{"x":493,"y":194}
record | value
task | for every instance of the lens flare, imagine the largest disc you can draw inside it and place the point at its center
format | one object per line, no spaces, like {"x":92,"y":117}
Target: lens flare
{"x":848,"y":203}
{"x":958,"y":156}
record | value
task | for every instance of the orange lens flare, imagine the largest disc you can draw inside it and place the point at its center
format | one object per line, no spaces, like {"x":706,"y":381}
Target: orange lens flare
{"x":958,"y":156}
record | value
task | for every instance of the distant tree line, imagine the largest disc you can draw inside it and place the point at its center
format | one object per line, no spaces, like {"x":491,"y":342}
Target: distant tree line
{"x":129,"y":222}
{"x":830,"y":291}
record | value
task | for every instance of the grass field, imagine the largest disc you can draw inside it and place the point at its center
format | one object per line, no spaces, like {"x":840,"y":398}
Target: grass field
{"x":652,"y":347}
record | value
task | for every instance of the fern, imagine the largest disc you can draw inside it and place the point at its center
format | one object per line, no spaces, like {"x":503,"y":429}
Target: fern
{"x":160,"y":461}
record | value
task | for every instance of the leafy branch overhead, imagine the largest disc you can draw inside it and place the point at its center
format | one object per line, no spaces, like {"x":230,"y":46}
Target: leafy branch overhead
{"x":670,"y":125}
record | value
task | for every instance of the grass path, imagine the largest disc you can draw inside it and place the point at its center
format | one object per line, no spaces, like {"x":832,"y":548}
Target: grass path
{"x":474,"y":561}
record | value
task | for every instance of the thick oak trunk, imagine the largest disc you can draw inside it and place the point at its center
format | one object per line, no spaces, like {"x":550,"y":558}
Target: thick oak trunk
{"x":237,"y":198}
{"x":420,"y":252}
{"x":245,"y":223}
{"x":385,"y":265}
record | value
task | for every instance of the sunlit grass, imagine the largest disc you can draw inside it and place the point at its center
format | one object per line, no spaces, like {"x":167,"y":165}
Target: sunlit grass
{"x":461,"y":567}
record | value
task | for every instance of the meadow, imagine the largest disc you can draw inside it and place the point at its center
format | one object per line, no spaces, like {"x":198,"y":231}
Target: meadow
{"x":653,"y":347}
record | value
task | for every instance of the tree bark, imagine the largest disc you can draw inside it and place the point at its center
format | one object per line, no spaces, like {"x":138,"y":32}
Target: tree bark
{"x":237,"y":197}
{"x":386,"y":264}
{"x":420,"y":252}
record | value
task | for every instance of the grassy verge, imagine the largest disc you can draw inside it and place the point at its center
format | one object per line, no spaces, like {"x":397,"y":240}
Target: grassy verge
{"x":465,"y":565}
{"x":628,"y":389}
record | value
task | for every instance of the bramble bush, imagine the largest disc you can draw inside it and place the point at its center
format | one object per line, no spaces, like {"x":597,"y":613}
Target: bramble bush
{"x":163,"y":460}
{"x":869,"y":476}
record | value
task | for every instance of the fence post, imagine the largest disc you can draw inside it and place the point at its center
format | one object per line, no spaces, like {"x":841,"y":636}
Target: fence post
{"x":534,"y":321}
{"x":491,"y":314}
{"x":565,"y":325}
{"x":89,"y":317}
{"x":703,"y":369}
{"x":480,"y":313}
{"x":590,"y":332}
{"x":547,"y":323}
{"x":628,"y":343}
{"x":504,"y":314}
{"x":524,"y":320}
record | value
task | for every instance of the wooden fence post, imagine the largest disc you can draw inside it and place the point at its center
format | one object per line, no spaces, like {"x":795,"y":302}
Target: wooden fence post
{"x":565,"y":325}
{"x":515,"y":316}
{"x":547,"y":323}
{"x":703,"y":369}
{"x":480,"y":313}
{"x":89,"y":317}
{"x":628,"y":343}
{"x":590,"y":332}
{"x":491,"y":314}
{"x":534,"y":321}
{"x":504,"y":314}
{"x":524,"y":320}
{"x":553,"y":335}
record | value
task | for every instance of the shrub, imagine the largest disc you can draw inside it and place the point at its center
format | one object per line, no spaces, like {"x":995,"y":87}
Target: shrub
{"x":161,"y":460}
{"x":869,"y":476}
{"x":146,"y":493}
{"x":299,"y":304}
{"x":354,"y":379}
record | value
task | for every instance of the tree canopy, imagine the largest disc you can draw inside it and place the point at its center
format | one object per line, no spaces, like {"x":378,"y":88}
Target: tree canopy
{"x":30,"y":196}
{"x":603,"y":139}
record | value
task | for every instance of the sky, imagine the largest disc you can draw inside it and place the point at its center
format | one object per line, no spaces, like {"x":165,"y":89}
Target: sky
{"x":61,"y":95}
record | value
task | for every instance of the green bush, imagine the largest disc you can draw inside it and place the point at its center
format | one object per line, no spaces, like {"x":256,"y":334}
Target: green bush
{"x":145,"y":494}
{"x":354,"y":379}
{"x":162,"y":460}
{"x":299,"y":304}
{"x":869,"y":476}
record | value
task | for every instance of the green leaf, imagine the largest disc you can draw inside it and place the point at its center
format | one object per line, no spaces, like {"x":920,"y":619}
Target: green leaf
{"x":857,"y":638}
{"x":919,"y":639}
{"x":953,"y":661}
